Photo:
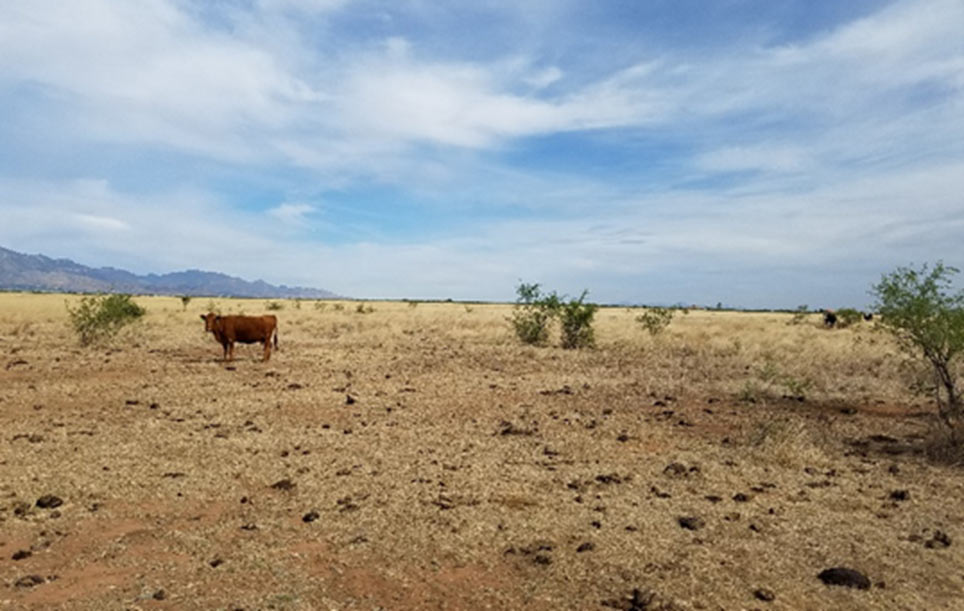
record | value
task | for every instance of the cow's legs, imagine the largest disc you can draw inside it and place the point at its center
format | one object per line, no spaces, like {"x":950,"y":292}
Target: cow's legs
{"x":224,"y":347}
{"x":230,"y":351}
{"x":267,"y":349}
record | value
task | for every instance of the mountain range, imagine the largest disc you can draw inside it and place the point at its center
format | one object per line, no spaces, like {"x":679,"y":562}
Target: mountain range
{"x":21,"y":272}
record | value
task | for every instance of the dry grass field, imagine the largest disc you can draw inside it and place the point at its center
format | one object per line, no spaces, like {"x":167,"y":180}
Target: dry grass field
{"x":421,"y":458}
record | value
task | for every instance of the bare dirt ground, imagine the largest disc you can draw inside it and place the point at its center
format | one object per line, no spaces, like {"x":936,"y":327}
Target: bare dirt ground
{"x":419,"y":458}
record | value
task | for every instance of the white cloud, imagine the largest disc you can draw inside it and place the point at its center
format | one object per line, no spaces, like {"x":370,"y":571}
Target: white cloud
{"x":292,"y":214}
{"x":769,"y":158}
{"x":95,"y":222}
{"x":545,"y":77}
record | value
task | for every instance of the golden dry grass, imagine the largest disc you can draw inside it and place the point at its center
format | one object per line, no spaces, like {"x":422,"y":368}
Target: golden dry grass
{"x":465,"y":471}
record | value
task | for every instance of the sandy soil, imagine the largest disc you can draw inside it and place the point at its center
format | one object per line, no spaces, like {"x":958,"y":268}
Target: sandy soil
{"x":419,"y":458}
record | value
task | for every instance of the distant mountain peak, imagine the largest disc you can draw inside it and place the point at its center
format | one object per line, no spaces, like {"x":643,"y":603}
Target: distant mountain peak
{"x":24,"y":272}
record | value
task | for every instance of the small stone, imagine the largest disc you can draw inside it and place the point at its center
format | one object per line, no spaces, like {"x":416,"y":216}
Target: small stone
{"x":159,"y":595}
{"x":691,"y":522}
{"x":29,"y":581}
{"x":49,"y":501}
{"x":21,"y":554}
{"x":764,"y":594}
{"x":939,"y":540}
{"x":899,"y":495}
{"x":842,"y":576}
{"x":588,"y":546}
{"x":284,"y":484}
{"x":311,"y":516}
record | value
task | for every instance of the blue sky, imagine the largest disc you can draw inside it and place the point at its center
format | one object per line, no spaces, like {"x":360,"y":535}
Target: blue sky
{"x":762,"y":153}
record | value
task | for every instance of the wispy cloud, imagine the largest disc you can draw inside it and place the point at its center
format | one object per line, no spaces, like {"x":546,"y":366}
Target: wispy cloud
{"x":292,"y":214}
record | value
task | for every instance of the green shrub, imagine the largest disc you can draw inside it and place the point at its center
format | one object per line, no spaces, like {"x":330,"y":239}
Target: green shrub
{"x":576,"y":318}
{"x":320,"y":306}
{"x":533,"y":313}
{"x":918,"y":308}
{"x":185,"y":299}
{"x":361,"y":308}
{"x":799,"y":315}
{"x":656,"y":319}
{"x":274,"y":305}
{"x":99,"y":317}
{"x":848,"y":316}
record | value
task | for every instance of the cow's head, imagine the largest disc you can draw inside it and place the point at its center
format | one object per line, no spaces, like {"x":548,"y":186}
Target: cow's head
{"x":209,"y":320}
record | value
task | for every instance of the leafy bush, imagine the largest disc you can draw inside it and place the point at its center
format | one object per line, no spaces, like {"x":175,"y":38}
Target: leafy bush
{"x":533,"y":313}
{"x":656,"y":319}
{"x":320,"y":306}
{"x":918,"y":308}
{"x":848,"y":316}
{"x":799,"y":315}
{"x":576,"y":319}
{"x":185,"y":299}
{"x":99,"y":317}
{"x":274,"y":305}
{"x":361,"y":308}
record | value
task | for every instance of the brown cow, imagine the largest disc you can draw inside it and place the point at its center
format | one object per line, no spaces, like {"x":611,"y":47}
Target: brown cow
{"x":244,"y":329}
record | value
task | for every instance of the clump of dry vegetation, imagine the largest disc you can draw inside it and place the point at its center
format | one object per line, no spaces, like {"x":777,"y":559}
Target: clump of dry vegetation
{"x":423,"y":457}
{"x":99,"y":317}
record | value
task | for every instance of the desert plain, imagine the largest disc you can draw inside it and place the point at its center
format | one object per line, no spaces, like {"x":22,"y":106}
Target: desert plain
{"x":396,"y":455}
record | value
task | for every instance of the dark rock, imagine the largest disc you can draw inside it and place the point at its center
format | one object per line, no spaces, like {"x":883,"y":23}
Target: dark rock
{"x":586,"y":547}
{"x":939,"y":540}
{"x":216,"y":563}
{"x":29,"y":581}
{"x":636,"y":601}
{"x":676,"y":469}
{"x":764,"y":594}
{"x":311,"y":516}
{"x":21,"y":554}
{"x":842,"y":576}
{"x":49,"y":501}
{"x":284,"y":484}
{"x":159,"y":595}
{"x":349,"y":400}
{"x":691,"y":522}
{"x":739,"y":497}
{"x":899,"y":495}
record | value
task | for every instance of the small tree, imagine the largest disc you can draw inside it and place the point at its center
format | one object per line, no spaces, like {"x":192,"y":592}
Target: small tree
{"x":656,"y":319}
{"x":919,"y":309}
{"x":99,"y":317}
{"x":533,"y":313}
{"x":799,"y":315}
{"x":848,"y":316}
{"x":185,"y":299}
{"x":576,"y":318}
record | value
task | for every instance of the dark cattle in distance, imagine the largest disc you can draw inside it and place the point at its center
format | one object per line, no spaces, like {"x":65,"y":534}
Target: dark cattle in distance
{"x":245,"y":329}
{"x":829,"y":318}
